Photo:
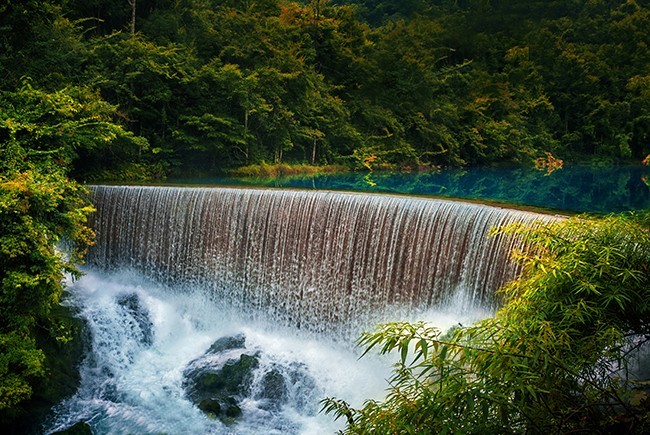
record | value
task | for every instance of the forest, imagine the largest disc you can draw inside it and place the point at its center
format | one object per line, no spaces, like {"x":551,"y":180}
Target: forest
{"x":138,"y":90}
{"x":203,"y":86}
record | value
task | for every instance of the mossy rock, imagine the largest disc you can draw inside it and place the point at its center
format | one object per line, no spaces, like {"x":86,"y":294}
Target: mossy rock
{"x":210,"y":406}
{"x":225,"y":409}
{"x":232,"y":379}
{"x":232,"y":410}
{"x":62,"y":361}
{"x":217,"y":391}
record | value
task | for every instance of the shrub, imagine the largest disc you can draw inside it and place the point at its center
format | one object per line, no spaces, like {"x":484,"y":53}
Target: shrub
{"x":555,"y":358}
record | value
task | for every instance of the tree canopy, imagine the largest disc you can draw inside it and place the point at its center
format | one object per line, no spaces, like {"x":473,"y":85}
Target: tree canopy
{"x":217,"y":84}
{"x":43,"y":216}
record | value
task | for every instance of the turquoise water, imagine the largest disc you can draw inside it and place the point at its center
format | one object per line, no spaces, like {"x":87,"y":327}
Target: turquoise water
{"x":594,"y":189}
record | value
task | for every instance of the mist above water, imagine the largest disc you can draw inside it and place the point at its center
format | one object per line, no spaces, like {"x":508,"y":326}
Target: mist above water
{"x":145,"y":335}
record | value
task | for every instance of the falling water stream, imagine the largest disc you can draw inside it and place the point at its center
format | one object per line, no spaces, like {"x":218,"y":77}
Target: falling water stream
{"x":297,"y":275}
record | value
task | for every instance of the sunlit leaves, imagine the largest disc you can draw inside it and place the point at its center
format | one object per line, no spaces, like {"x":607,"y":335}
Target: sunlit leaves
{"x":43,"y":217}
{"x":37,"y":210}
{"x":52,"y":128}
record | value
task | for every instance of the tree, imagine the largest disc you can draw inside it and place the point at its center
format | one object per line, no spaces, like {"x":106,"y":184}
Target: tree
{"x":37,"y":41}
{"x":43,"y":216}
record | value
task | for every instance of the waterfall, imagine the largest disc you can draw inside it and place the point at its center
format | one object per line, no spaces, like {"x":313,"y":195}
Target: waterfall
{"x":189,"y":284}
{"x":317,"y":260}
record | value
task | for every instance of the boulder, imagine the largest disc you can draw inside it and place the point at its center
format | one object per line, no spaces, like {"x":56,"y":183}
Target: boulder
{"x":217,"y":388}
{"x":219,"y":380}
{"x":273,"y":389}
{"x":233,"y":379}
{"x":227,"y":343}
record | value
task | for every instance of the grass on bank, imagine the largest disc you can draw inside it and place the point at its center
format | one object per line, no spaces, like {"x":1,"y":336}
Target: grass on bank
{"x":285,"y":169}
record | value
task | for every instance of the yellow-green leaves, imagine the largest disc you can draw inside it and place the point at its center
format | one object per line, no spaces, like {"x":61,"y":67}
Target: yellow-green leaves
{"x":38,"y":208}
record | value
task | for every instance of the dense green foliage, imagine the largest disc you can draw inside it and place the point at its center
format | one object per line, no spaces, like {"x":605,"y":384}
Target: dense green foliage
{"x":130,"y":89}
{"x":557,"y":358}
{"x":40,"y":208}
{"x":212,"y":84}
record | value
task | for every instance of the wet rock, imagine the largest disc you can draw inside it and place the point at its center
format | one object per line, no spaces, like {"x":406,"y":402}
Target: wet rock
{"x":226,"y":409}
{"x":132,"y":305}
{"x":232,"y":410}
{"x":227,"y":343}
{"x":219,"y":380}
{"x":306,"y":394}
{"x":284,"y":384}
{"x":234,"y":378}
{"x":210,"y":406}
{"x":216,"y":388}
{"x":273,"y":388}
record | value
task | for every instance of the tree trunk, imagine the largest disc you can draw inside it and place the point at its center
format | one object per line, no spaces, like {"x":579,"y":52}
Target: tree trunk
{"x":133,"y":4}
{"x":246,"y":135}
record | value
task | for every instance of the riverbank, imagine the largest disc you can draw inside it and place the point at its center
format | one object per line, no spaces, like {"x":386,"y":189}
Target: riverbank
{"x":285,"y":169}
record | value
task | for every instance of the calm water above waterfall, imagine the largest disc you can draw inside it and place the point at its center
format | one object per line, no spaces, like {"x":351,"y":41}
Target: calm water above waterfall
{"x":596,"y":189}
{"x":291,"y":276}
